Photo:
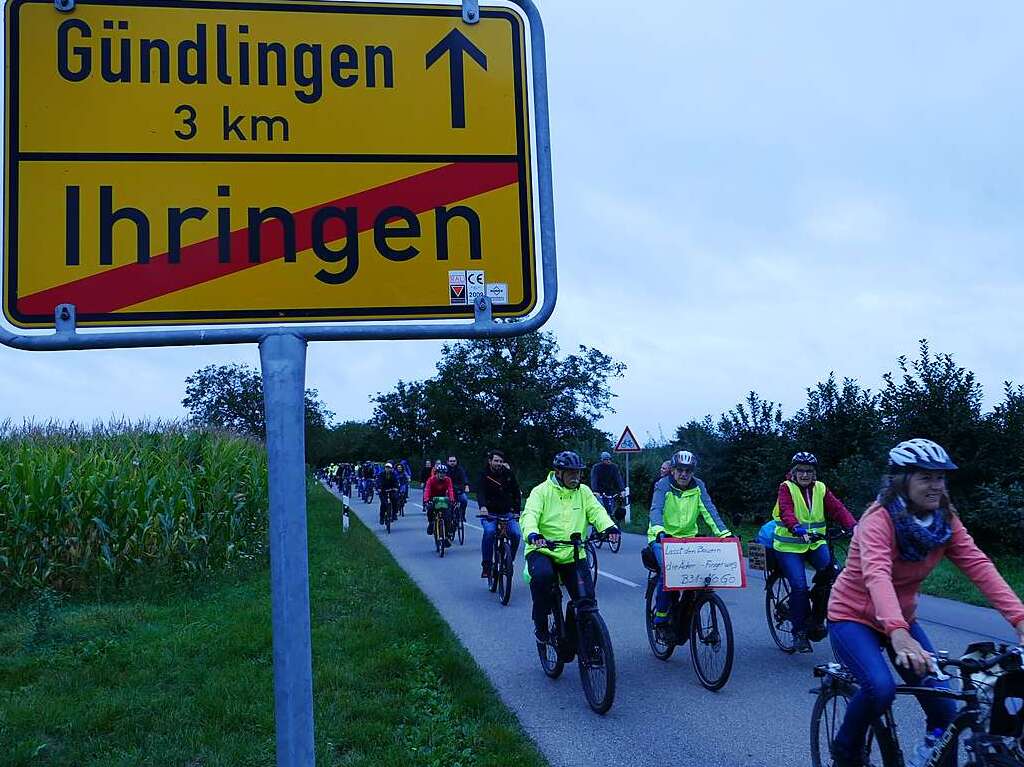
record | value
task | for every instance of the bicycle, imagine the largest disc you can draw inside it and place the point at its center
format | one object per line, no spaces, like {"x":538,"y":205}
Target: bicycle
{"x":699,"y":617}
{"x":592,"y":544}
{"x":777,"y":592}
{"x":612,"y":503}
{"x":580,"y":633}
{"x":388,"y":512}
{"x":441,"y":525}
{"x":991,"y":712}
{"x":499,"y":579}
{"x":403,"y":498}
{"x":460,"y":525}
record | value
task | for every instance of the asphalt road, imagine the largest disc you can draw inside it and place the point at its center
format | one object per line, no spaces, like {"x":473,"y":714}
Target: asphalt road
{"x":661,"y":714}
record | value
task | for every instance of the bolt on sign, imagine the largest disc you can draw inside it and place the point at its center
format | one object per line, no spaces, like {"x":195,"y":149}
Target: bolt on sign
{"x":175,"y":162}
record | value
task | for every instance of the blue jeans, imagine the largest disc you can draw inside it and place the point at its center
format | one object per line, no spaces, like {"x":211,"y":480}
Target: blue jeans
{"x":463,"y":501}
{"x":491,"y":529}
{"x":859,"y":648}
{"x":792,"y":566}
{"x":663,"y":599}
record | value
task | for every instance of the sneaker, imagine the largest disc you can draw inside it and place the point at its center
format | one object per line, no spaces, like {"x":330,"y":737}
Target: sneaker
{"x":486,"y":572}
{"x":801,"y":644}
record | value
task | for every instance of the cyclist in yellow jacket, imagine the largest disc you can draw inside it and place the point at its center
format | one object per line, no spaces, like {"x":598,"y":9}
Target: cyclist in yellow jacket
{"x":556,"y":509}
{"x":680,"y":499}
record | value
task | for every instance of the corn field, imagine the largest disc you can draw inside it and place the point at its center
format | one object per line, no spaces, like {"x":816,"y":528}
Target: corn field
{"x":82,"y":507}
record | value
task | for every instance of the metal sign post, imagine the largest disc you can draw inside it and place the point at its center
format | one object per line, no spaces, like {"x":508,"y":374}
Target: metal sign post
{"x":283,"y":359}
{"x":627,"y":444}
{"x":629,"y":500}
{"x":212,"y":202}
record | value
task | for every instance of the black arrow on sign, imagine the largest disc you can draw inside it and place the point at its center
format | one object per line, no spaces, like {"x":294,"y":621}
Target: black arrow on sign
{"x":456,"y":45}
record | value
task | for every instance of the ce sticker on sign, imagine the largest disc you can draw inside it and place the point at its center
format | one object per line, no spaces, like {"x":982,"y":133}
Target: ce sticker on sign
{"x":206,"y":162}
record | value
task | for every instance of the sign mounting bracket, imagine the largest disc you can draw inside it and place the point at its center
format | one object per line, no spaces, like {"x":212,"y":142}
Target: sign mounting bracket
{"x":482,"y":312}
{"x":65,"y":320}
{"x":470,"y":10}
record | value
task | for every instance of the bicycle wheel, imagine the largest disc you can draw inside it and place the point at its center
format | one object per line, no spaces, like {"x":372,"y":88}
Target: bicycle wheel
{"x":826,"y":717}
{"x":492,"y":577}
{"x":439,"y":540}
{"x":505,"y":573}
{"x":462,"y":531}
{"x":660,"y":646}
{"x":711,"y":641}
{"x":548,"y":651}
{"x":596,"y":661}
{"x":387,"y":518}
{"x":776,"y":609}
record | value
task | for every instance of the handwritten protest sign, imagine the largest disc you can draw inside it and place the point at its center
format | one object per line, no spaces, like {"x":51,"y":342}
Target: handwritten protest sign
{"x":699,"y":563}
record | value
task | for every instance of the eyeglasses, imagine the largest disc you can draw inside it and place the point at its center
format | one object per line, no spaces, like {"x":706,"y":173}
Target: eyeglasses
{"x":803,"y":471}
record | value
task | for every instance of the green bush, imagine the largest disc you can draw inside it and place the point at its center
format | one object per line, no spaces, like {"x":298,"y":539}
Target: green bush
{"x":91,"y":507}
{"x":997,"y":516}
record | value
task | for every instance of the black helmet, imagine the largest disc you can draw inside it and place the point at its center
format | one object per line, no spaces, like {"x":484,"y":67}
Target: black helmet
{"x":804,"y":457}
{"x":567,"y":459}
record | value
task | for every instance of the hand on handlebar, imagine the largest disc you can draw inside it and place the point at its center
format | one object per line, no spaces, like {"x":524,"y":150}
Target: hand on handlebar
{"x":909,"y":652}
{"x":614,"y":535}
{"x":535,"y":539}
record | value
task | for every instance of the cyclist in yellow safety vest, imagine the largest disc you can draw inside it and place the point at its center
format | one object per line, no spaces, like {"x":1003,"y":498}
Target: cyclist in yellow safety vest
{"x":556,"y":509}
{"x":679,"y":500}
{"x":801,"y":509}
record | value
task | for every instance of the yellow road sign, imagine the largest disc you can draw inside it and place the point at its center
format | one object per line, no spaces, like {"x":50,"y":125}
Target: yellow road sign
{"x":209,"y":162}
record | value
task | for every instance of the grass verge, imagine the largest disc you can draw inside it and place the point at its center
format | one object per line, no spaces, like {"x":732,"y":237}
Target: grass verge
{"x":945,"y":581}
{"x":184,"y":677}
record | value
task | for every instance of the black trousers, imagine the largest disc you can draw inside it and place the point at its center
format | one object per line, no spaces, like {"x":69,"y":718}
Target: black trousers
{"x":543,"y":572}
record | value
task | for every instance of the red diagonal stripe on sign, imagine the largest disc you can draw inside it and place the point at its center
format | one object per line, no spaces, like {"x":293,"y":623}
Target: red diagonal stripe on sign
{"x":134,"y":283}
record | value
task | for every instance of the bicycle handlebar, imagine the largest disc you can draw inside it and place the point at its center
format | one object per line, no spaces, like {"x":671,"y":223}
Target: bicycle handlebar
{"x":576,"y":540}
{"x":973,"y":666}
{"x":830,"y":536}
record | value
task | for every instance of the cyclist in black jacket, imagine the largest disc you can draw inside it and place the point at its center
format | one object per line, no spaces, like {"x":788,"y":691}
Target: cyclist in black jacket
{"x":460,"y":482}
{"x":387,"y":482}
{"x":606,"y":482}
{"x":498,"y":495}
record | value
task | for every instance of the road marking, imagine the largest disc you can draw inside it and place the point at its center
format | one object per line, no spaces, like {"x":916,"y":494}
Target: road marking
{"x":618,"y":579}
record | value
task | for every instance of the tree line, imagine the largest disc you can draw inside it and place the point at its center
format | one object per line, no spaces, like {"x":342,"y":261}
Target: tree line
{"x":526,"y":396}
{"x":745,"y":452}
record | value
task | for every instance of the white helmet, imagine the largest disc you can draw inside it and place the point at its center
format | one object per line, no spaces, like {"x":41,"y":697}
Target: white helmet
{"x":683,"y":458}
{"x":920,"y":454}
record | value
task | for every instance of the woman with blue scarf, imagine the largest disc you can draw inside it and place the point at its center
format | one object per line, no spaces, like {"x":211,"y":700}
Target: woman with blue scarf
{"x":898,"y":542}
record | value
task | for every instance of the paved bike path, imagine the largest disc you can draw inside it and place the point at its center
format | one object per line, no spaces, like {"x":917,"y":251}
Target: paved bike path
{"x":661,"y":714}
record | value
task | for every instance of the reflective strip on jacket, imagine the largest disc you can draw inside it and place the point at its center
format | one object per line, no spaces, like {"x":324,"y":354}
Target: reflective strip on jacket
{"x":813,"y":519}
{"x":675,"y":510}
{"x":555,"y":512}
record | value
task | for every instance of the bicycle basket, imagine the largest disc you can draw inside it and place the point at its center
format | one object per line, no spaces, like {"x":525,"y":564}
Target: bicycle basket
{"x":758,"y":556}
{"x":649,"y":560}
{"x":1007,"y":712}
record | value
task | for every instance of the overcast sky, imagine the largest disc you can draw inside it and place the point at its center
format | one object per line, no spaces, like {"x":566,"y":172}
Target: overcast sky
{"x":747,"y":196}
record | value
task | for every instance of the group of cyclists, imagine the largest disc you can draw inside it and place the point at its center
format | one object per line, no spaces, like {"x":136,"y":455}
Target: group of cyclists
{"x":871,"y":609}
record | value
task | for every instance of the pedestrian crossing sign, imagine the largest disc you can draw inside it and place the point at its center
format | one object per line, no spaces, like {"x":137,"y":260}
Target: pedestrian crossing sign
{"x":627,"y":443}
